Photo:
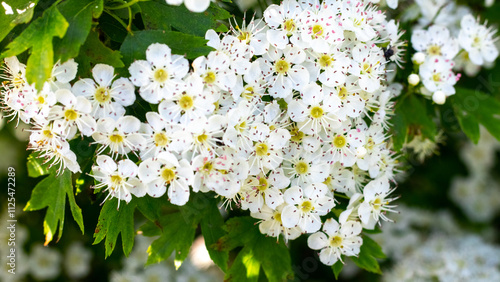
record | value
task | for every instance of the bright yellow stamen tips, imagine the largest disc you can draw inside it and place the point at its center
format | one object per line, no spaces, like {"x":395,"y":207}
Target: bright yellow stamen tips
{"x":102,"y":95}
{"x":244,"y":36}
{"x":168,"y":175}
{"x":47,"y":133}
{"x":116,"y":138}
{"x":434,"y":50}
{"x":325,"y":61}
{"x":343,"y":93}
{"x":161,"y":139}
{"x":339,"y":141}
{"x":116,"y":180}
{"x":336,"y":241}
{"x":209,"y":77}
{"x":282,"y":67}
{"x":186,"y":102}
{"x":301,"y":168}
{"x":70,"y":114}
{"x":296,"y":135}
{"x":241,"y":127}
{"x":317,"y":112}
{"x":263,"y":184}
{"x":40,"y":99}
{"x":160,"y":75}
{"x":261,"y":149}
{"x":202,"y":138}
{"x":317,"y":30}
{"x":436,"y":77}
{"x":290,"y":26}
{"x":306,"y":206}
{"x":248,"y":93}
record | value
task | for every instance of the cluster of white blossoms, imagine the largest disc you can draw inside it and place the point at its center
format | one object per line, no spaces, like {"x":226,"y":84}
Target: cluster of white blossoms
{"x":454,"y":41}
{"x":478,"y":194}
{"x":287,"y":115}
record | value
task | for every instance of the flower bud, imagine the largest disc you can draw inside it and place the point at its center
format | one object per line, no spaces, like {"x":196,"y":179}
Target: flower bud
{"x":439,"y":97}
{"x":361,"y":152}
{"x":418,"y":58}
{"x":413,"y":79}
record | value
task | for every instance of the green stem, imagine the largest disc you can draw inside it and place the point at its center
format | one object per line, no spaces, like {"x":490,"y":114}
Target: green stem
{"x":126,"y":5}
{"x":341,"y":196}
{"x":117,"y":18}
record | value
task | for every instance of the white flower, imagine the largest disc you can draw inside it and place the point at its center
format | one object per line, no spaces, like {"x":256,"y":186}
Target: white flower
{"x":77,"y":260}
{"x":284,"y":23}
{"x":265,"y":189}
{"x":340,"y":239}
{"x":478,"y":41}
{"x":348,"y":96}
{"x":14,"y":72}
{"x":356,"y":17}
{"x":376,"y":203}
{"x":159,"y":74}
{"x":305,"y":206}
{"x":215,"y":72}
{"x":62,"y":74}
{"x":253,"y":34}
{"x":204,"y":134}
{"x":436,"y":42}
{"x":74,"y":113}
{"x":61,"y":156}
{"x":320,"y":30}
{"x":120,"y":136}
{"x":305,"y":168}
{"x":108,"y":97}
{"x":271,"y":223}
{"x":197,"y":6}
{"x":44,"y":263}
{"x":343,"y":144}
{"x":437,"y":74}
{"x":366,"y":65}
{"x":330,"y":67}
{"x":119,"y":178}
{"x":283,"y":71}
{"x":165,"y":170}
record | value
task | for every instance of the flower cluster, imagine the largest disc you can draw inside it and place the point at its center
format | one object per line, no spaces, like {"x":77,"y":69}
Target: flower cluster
{"x":285,"y":117}
{"x":454,"y":41}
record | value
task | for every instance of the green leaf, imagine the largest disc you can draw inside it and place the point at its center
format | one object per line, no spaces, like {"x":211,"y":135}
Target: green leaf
{"x":472,"y":107}
{"x":337,"y":268}
{"x":134,"y":47}
{"x":411,"y":114}
{"x":178,"y":235}
{"x":162,"y":16}
{"x":51,"y":193}
{"x":368,"y":255}
{"x":36,"y":166}
{"x":94,"y":52}
{"x":258,"y":251}
{"x":9,"y":19}
{"x":78,"y":13}
{"x":38,"y":37}
{"x":211,"y":228}
{"x":98,"y":8}
{"x":113,"y":221}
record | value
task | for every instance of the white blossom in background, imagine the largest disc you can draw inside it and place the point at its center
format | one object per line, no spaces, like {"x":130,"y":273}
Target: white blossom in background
{"x":478,"y":41}
{"x":44,"y":262}
{"x":77,"y":261}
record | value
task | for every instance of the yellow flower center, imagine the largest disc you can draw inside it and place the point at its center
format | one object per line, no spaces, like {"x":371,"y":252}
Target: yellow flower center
{"x":296,"y":135}
{"x":434,"y":50}
{"x":241,"y":127}
{"x":161,"y":139}
{"x":116,"y":180}
{"x":48,"y":133}
{"x":116,"y":138}
{"x":160,"y":75}
{"x":261,"y":149}
{"x":367,"y":68}
{"x":325,"y":61}
{"x":370,"y":143}
{"x":248,"y":93}
{"x":290,"y":26}
{"x":186,"y":102}
{"x":40,"y":99}
{"x":317,"y":112}
{"x":306,"y":206}
{"x":301,"y":167}
{"x":70,"y":114}
{"x":168,"y":175}
{"x":327,"y":181}
{"x":336,"y":241}
{"x":282,"y":66}
{"x":317,"y":30}
{"x":263,"y":184}
{"x":436,"y":77}
{"x":277,"y":216}
{"x":343,"y":93}
{"x":102,"y":95}
{"x":207,"y":167}
{"x":244,"y":36}
{"x":209,"y":77}
{"x":202,"y":138}
{"x":339,"y":141}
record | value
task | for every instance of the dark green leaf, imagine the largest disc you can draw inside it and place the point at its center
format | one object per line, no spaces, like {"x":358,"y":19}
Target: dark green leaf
{"x":337,"y":268}
{"x":78,"y":13}
{"x":51,"y":193}
{"x":38,"y":37}
{"x":113,"y":221}
{"x":36,"y":167}
{"x":477,"y":106}
{"x":9,"y":19}
{"x":368,"y":255}
{"x":469,"y":125}
{"x":258,"y":250}
{"x":134,"y":47}
{"x":211,"y":228}
{"x":94,"y":52}
{"x":162,"y":16}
